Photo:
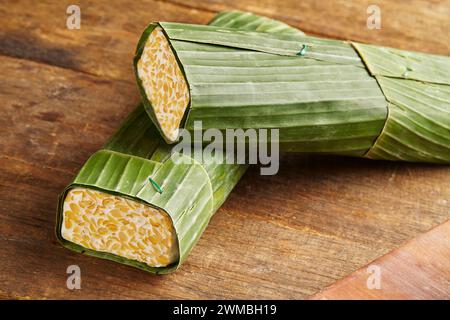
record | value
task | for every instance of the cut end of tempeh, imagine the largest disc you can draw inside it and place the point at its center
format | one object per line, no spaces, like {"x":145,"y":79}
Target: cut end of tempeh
{"x":108,"y":223}
{"x":164,"y":83}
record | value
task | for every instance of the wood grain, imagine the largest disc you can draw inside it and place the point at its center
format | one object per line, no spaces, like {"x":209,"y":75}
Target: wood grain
{"x":284,"y":236}
{"x":103,"y":46}
{"x":418,"y":270}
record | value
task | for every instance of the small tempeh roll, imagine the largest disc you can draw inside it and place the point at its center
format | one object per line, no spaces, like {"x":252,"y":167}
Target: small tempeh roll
{"x":324,"y":96}
{"x":139,"y":203}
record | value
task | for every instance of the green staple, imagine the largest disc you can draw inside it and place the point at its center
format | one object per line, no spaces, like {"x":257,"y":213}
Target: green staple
{"x":406,"y":73}
{"x":303,"y":51}
{"x":157,"y":187}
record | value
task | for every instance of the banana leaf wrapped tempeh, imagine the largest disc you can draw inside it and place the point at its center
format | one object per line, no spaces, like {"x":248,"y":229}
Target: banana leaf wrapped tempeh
{"x":134,"y":203}
{"x":324,"y":96}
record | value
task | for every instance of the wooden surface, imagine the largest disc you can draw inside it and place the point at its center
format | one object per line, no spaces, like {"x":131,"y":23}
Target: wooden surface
{"x":63,"y":92}
{"x":418,"y":270}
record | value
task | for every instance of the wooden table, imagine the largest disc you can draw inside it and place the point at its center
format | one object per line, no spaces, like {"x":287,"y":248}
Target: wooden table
{"x":63,"y":92}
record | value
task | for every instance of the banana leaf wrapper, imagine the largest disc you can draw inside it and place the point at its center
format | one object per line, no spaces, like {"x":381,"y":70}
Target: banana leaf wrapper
{"x":133,"y":202}
{"x":324,"y":96}
{"x":191,"y":192}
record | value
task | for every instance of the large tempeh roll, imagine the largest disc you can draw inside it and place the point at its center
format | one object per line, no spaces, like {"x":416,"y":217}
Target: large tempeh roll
{"x":323,"y":95}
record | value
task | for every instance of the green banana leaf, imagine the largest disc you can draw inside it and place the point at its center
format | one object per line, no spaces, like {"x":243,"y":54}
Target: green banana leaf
{"x":324,"y":96}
